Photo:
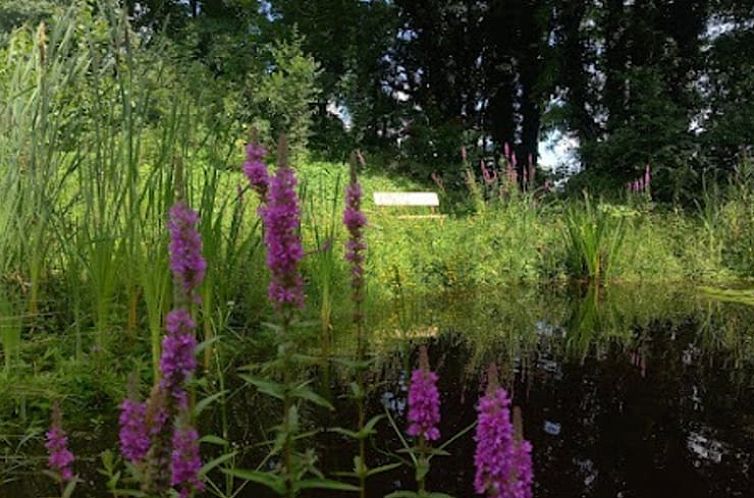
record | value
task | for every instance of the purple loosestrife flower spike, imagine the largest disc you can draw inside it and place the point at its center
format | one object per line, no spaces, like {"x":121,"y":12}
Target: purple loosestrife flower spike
{"x":178,"y":361}
{"x":185,"y":461}
{"x":186,"y":260}
{"x":60,"y":457}
{"x":284,"y":252}
{"x":523,"y":476}
{"x":503,"y":464}
{"x":256,"y":170}
{"x":355,"y":221}
{"x":424,"y":401}
{"x":134,"y":433}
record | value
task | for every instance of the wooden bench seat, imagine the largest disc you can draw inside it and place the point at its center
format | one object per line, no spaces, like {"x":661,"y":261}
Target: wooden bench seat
{"x":410,"y":199}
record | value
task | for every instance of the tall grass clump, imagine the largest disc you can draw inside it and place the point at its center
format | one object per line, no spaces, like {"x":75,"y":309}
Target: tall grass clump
{"x":594,"y":239}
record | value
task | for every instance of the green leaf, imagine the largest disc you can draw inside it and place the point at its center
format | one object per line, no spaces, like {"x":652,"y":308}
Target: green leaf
{"x":212,"y":439}
{"x":356,"y":390}
{"x":273,"y":389}
{"x":403,"y":494}
{"x":326,"y":484}
{"x":438,"y":452}
{"x":135,"y":493}
{"x":216,"y":462}
{"x":204,"y":403}
{"x":369,"y":426}
{"x":70,"y":487}
{"x":307,"y":394}
{"x":308,"y":360}
{"x":355,"y":364}
{"x":205,"y":344}
{"x":272,"y":481}
{"x":383,"y":468}
{"x":439,"y":495}
{"x":345,"y":432}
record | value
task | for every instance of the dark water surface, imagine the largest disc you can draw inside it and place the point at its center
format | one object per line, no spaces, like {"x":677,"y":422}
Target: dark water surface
{"x":625,"y":392}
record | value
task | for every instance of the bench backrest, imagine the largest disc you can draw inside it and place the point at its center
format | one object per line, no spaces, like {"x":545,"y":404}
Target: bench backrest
{"x":406,"y":199}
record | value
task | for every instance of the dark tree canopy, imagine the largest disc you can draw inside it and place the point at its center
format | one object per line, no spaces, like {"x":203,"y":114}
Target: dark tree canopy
{"x":662,"y":82}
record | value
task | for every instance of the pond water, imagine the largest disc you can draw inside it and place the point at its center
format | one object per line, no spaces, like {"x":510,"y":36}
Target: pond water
{"x":625,"y":391}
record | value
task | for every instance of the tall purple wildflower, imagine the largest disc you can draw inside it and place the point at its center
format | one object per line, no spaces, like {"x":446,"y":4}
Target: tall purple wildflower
{"x":522,"y":470}
{"x":284,"y":251}
{"x":60,"y":457}
{"x":186,"y":260}
{"x":178,"y":361}
{"x":256,"y":170}
{"x":503,"y":464}
{"x":424,"y":401}
{"x":355,"y":221}
{"x":185,"y":461}
{"x":134,"y":432}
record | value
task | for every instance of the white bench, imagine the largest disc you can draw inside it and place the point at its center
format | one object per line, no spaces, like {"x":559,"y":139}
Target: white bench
{"x":409,"y":199}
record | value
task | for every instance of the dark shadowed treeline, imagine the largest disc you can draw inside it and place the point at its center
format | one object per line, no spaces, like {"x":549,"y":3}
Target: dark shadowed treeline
{"x":629,"y":83}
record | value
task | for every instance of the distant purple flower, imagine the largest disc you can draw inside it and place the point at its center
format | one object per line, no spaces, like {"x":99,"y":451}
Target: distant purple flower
{"x":186,"y":260}
{"x":503,"y":465}
{"x":424,"y":402}
{"x":489,"y":177}
{"x":512,"y":174}
{"x":178,"y":359}
{"x":134,"y":433}
{"x":284,"y":251}
{"x":647,"y":177}
{"x":186,"y":461}
{"x":256,"y":170}
{"x":60,"y":457}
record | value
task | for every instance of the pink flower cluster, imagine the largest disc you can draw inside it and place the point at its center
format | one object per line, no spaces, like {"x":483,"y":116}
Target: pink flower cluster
{"x":256,"y":170}
{"x":134,"y":432}
{"x":60,"y":458}
{"x":284,"y":252}
{"x":424,"y":405}
{"x":355,"y":221}
{"x":186,"y":260}
{"x":149,"y":432}
{"x":641,"y":184}
{"x":503,"y":465}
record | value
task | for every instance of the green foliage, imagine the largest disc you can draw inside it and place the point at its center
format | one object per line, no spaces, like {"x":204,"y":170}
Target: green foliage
{"x":286,"y":94}
{"x":595,"y":235}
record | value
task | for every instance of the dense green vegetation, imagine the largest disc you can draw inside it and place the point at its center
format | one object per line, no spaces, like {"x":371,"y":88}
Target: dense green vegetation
{"x":106,"y":113}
